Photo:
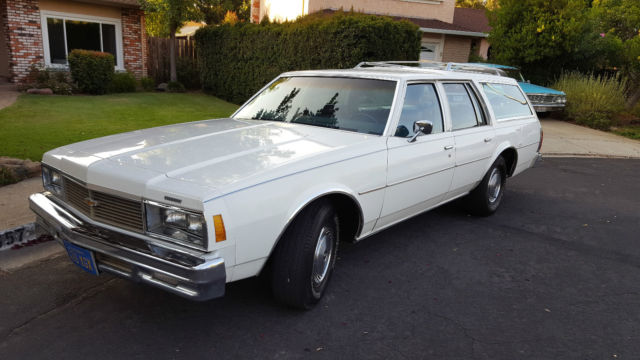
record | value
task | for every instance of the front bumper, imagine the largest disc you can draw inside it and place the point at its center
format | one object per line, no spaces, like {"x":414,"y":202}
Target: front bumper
{"x":547,"y":107}
{"x":196,"y":276}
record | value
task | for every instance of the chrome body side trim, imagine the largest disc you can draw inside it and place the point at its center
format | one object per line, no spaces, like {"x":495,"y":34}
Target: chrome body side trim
{"x":190,"y":274}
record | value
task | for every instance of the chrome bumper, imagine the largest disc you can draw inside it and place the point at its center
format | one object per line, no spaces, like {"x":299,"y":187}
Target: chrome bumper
{"x":547,"y":107}
{"x":196,"y":276}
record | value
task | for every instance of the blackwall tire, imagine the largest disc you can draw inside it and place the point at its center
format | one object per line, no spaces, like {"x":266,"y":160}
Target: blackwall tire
{"x":304,"y":258}
{"x":485,"y":199}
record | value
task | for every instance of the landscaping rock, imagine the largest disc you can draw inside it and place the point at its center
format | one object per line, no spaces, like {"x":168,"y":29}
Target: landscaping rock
{"x":162,"y":87}
{"x":45,"y":91}
{"x":19,"y":169}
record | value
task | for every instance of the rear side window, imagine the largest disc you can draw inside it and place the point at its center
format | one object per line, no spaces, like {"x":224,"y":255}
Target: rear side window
{"x":507,"y":101}
{"x":463,"y":106}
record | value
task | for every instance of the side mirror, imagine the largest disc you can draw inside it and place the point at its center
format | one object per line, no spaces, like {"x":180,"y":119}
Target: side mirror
{"x":421,"y":127}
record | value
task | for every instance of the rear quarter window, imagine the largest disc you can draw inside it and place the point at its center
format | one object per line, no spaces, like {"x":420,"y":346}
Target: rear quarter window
{"x":507,"y":101}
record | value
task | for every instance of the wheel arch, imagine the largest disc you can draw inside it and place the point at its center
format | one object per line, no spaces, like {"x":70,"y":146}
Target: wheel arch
{"x":349,"y":211}
{"x":510,"y":155}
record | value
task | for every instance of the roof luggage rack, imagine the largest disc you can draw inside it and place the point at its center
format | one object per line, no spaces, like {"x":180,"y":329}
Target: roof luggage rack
{"x":434,"y":65}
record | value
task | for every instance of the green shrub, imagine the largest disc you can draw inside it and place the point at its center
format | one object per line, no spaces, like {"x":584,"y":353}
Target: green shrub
{"x":91,"y":70}
{"x":122,"y":82}
{"x":59,"y":81}
{"x":175,"y":86}
{"x":237,"y":60}
{"x":188,"y":73}
{"x":592,"y":100}
{"x":147,"y":83}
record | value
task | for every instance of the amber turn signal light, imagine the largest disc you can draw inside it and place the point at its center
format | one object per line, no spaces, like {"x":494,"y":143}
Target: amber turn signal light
{"x":218,"y":225}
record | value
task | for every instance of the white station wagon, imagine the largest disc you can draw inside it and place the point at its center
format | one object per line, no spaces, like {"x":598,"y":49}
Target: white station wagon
{"x":314,"y":158}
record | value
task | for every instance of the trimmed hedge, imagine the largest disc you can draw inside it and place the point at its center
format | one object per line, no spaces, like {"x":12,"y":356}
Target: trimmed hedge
{"x":91,"y":70}
{"x":237,"y":60}
{"x":122,"y":82}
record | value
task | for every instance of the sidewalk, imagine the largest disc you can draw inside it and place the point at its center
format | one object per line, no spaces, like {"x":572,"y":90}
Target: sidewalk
{"x":14,"y":206}
{"x":8,"y":95}
{"x":565,"y":139}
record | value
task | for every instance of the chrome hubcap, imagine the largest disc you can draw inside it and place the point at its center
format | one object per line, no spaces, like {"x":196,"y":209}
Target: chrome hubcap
{"x":494,"y":186}
{"x":322,"y":257}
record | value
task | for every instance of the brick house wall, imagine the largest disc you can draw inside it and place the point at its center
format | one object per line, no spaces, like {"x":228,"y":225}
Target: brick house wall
{"x":255,"y":11}
{"x":22,"y":31}
{"x":134,"y":42}
{"x":23,"y":37}
{"x":456,"y":48}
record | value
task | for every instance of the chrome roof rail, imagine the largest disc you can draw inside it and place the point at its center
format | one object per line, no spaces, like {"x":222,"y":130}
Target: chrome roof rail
{"x":434,"y":65}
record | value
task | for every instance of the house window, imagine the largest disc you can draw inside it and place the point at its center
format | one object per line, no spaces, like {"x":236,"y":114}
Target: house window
{"x":63,"y":33}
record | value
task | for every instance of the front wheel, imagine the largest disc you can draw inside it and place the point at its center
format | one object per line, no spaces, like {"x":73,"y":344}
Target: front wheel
{"x":303,"y":260}
{"x":485,"y":199}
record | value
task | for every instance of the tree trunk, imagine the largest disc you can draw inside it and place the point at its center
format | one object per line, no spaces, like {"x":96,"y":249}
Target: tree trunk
{"x":172,"y":55}
{"x":633,"y":98}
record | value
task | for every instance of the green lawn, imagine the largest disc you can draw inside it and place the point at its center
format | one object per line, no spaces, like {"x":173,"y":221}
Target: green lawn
{"x":36,"y":123}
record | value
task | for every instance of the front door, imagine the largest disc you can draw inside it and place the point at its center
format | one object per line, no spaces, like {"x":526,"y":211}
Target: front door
{"x":418,"y":173}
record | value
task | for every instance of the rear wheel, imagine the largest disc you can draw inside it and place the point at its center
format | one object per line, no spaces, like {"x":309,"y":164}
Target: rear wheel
{"x":485,"y":199}
{"x":303,"y":260}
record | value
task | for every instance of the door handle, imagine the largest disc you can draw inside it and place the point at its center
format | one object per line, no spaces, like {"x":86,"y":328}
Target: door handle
{"x":448,"y":147}
{"x":487,"y":139}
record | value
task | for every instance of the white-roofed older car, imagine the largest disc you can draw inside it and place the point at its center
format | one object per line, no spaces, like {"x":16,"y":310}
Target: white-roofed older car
{"x":313,"y":159}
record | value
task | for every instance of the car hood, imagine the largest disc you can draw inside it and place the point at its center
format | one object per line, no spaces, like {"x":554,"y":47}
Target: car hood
{"x":537,"y":89}
{"x":214,"y":154}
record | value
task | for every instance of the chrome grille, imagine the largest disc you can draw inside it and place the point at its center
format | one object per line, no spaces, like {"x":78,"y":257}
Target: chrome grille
{"x":109,"y":209}
{"x":76,"y":196}
{"x":542,"y":99}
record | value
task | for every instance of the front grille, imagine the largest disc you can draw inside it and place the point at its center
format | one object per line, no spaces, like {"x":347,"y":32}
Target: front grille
{"x":542,"y":99}
{"x":109,"y":209}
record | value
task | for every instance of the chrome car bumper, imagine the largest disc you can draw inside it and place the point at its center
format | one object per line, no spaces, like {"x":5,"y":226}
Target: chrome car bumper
{"x":196,"y":276}
{"x":547,"y":107}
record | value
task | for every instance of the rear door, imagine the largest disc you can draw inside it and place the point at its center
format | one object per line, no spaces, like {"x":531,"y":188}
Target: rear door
{"x":473,"y":135}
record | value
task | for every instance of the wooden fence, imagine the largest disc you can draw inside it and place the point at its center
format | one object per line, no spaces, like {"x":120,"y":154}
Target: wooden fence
{"x":158,"y":55}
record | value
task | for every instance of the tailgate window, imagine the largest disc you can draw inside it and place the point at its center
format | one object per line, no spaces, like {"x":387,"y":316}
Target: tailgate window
{"x":507,"y":101}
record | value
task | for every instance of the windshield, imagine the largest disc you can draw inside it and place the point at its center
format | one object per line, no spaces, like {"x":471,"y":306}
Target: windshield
{"x":514,"y":74}
{"x":360,"y":105}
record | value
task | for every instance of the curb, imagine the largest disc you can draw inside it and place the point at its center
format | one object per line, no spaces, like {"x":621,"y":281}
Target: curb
{"x":592,"y":156}
{"x":17,"y":236}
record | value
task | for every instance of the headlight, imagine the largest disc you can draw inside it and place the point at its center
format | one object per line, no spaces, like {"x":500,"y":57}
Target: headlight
{"x":561,"y":99}
{"x":52,"y":181}
{"x":180,"y":225}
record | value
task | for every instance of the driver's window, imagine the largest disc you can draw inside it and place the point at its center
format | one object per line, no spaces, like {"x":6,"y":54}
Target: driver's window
{"x":420,"y":103}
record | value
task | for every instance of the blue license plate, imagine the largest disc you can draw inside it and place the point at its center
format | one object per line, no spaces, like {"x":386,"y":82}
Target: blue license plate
{"x":81,"y":257}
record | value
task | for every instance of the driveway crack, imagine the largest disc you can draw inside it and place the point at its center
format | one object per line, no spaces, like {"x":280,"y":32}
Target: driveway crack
{"x":92,"y":291}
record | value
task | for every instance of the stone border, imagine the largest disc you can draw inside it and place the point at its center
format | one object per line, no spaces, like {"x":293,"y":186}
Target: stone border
{"x":15,"y":237}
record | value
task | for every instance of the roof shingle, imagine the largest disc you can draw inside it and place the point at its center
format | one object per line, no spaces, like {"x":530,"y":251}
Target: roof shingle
{"x":472,"y":19}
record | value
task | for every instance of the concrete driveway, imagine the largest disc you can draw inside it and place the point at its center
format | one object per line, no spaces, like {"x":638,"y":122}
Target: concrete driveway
{"x":565,"y":139}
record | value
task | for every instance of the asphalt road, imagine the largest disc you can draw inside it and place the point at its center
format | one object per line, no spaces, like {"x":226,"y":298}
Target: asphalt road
{"x":554,"y":274}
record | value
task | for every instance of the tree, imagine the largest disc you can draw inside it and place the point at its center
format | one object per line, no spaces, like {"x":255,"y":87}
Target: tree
{"x":619,"y":22}
{"x":544,"y":37}
{"x":168,"y":16}
{"x":165,"y":17}
{"x":214,"y":11}
{"x":477,"y":4}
